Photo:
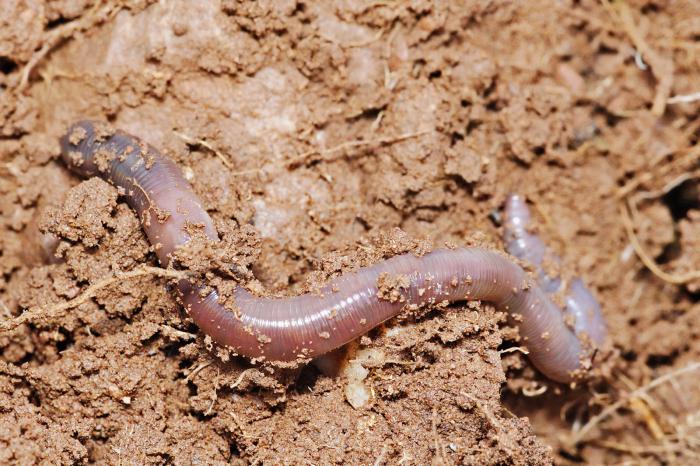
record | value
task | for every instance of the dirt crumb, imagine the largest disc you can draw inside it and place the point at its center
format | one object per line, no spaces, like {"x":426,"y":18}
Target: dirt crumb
{"x":77,"y":136}
{"x":86,"y":213}
{"x":393,"y":288}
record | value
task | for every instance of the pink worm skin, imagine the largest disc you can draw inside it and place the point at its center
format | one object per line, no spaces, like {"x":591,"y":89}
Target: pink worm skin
{"x":309,"y":325}
{"x":580,"y":304}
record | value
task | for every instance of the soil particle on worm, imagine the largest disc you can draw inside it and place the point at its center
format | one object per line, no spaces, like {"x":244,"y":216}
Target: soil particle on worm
{"x":311,"y":130}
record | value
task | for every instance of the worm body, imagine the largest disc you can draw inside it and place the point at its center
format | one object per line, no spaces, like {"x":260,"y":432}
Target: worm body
{"x":581,"y":306}
{"x":309,"y":325}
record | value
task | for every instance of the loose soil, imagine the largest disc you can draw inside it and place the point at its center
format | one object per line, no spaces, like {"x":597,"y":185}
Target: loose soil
{"x":322,"y":136}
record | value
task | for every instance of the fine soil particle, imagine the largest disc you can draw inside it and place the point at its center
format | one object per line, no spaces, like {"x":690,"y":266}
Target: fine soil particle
{"x":323,"y":137}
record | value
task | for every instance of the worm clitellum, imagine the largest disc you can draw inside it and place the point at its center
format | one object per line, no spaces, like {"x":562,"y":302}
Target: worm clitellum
{"x":309,"y":325}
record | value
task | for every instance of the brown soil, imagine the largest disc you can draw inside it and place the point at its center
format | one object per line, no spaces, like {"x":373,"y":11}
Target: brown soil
{"x":312,"y":131}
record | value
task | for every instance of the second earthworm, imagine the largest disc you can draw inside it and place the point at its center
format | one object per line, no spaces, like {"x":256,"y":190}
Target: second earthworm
{"x":309,"y":325}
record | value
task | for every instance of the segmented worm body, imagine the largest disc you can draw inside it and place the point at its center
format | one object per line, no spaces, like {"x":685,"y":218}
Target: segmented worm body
{"x":309,"y":325}
{"x":580,"y":305}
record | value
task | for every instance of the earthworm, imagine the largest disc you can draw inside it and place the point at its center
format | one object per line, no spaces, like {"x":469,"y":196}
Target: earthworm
{"x":580,"y":304}
{"x":312,"y":324}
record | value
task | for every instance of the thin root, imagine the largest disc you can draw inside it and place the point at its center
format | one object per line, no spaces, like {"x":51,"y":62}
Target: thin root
{"x":34,"y":314}
{"x":325,"y":153}
{"x":201,"y":142}
{"x":520,"y":349}
{"x":439,"y":447}
{"x":241,"y":377}
{"x":647,"y":260}
{"x":353,"y":144}
{"x":689,"y":158}
{"x":608,"y":411}
{"x":661,"y":67}
{"x":670,"y":186}
{"x":196,"y":370}
{"x":684,"y":98}
{"x":66,"y":31}
{"x":362,"y":43}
